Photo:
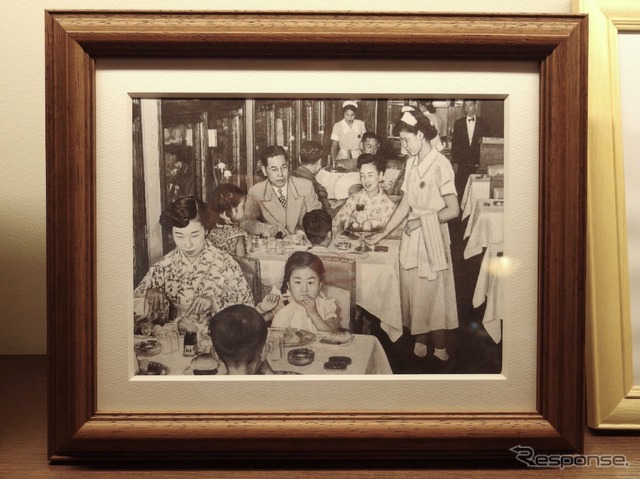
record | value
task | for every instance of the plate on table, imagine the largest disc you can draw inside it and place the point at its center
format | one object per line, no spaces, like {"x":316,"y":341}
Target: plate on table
{"x":153,"y":368}
{"x":151,"y":347}
{"x":339,"y":337}
{"x":297,"y":337}
{"x":205,"y":365}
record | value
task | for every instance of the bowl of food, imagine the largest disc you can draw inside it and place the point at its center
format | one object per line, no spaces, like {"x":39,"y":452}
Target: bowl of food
{"x":297,"y":337}
{"x":204,"y":364}
{"x":301,"y":356}
{"x":150,"y":347}
{"x":152,"y":368}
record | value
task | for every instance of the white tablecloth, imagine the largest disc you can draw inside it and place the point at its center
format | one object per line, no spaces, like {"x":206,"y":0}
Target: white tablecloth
{"x":377,"y":282}
{"x":366,"y":353}
{"x":477,"y":188}
{"x":489,"y":289}
{"x":485,"y":227}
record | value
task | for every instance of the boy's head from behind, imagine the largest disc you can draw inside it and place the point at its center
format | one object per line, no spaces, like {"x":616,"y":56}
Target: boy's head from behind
{"x":317,"y":227}
{"x":238,"y":334}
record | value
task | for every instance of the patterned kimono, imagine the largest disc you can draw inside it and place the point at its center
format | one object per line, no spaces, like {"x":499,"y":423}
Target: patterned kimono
{"x":225,"y":237}
{"x":378,"y":209}
{"x":213,"y":274}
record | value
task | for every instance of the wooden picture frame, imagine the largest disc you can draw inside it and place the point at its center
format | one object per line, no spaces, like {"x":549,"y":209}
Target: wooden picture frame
{"x":613,"y":399}
{"x":77,"y":431}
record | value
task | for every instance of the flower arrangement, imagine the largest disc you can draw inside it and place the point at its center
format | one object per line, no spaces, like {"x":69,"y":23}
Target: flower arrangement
{"x":221,"y":173}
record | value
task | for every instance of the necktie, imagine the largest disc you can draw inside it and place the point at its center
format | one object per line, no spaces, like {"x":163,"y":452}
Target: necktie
{"x":281,"y":197}
{"x":471,"y":119}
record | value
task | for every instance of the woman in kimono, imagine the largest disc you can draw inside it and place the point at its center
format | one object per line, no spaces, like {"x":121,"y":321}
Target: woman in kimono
{"x":195,"y":280}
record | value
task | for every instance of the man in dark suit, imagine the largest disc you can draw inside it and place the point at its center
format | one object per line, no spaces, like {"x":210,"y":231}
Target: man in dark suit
{"x":280,"y":202}
{"x":465,"y":144}
{"x":311,"y":154}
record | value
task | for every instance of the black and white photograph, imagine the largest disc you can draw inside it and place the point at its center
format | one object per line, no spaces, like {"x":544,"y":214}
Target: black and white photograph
{"x":318,"y":236}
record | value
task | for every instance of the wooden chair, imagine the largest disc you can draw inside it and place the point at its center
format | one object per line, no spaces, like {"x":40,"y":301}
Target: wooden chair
{"x":340,"y":285}
{"x":251,"y":269}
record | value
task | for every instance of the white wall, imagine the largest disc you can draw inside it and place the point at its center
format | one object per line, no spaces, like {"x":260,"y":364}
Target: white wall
{"x":22,"y":130}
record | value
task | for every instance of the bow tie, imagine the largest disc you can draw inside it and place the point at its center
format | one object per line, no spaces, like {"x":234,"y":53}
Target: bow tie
{"x":471,"y":119}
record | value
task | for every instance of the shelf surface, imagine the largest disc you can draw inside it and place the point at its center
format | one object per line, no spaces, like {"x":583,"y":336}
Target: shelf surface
{"x":23,"y":442}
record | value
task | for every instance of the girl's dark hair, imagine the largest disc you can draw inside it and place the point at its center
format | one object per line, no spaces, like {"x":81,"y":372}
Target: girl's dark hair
{"x":184,"y":209}
{"x":350,"y":107}
{"x":379,"y":163}
{"x":225,"y":197}
{"x":422,"y":124}
{"x":302,"y":259}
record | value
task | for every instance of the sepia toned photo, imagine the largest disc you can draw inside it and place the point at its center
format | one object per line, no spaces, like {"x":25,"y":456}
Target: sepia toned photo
{"x":318,"y":236}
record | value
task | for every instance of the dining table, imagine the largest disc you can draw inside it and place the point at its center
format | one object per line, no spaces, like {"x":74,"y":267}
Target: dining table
{"x":477,"y":188}
{"x":364,"y":353}
{"x":489,"y":289}
{"x":485,"y":226}
{"x":377,"y":278}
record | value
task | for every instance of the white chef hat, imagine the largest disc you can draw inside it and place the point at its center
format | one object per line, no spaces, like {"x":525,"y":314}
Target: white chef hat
{"x":352,"y":103}
{"x":406,"y":108}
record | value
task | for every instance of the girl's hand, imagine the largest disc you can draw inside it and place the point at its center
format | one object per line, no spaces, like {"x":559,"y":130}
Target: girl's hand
{"x":153,"y":300}
{"x":200,"y":306}
{"x":309,"y":304}
{"x":269,"y":302}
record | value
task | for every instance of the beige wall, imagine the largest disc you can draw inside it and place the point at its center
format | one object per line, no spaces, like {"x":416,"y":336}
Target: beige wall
{"x":22,"y":127}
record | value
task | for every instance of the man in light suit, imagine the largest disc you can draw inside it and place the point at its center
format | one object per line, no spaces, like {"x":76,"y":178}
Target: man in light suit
{"x":465,"y":144}
{"x":280,"y":202}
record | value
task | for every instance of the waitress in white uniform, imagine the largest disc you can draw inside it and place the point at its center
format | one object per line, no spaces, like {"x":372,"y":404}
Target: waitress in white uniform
{"x":426,"y":276}
{"x":346,"y":137}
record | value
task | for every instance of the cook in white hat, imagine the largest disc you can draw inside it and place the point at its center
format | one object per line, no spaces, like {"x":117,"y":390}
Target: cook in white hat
{"x":346,"y":137}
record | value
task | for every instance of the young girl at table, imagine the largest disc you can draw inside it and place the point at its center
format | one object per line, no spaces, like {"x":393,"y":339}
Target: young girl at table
{"x":228,"y":210}
{"x":306,"y":307}
{"x":427,"y":286}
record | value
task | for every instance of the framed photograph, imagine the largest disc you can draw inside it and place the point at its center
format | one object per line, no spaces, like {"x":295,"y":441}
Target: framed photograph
{"x":613,"y":393}
{"x":122,"y":137}
{"x":213,"y":148}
